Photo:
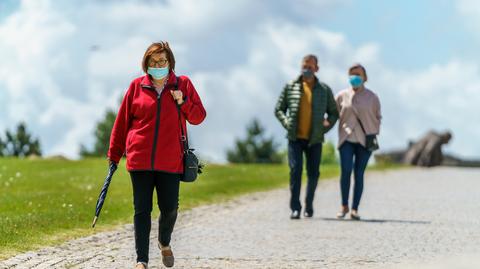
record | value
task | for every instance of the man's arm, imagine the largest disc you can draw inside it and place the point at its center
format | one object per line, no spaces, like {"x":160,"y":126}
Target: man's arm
{"x":332,"y":111}
{"x":281,"y":108}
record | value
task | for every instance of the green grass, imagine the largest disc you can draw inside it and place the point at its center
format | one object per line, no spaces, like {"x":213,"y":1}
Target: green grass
{"x":46,"y":202}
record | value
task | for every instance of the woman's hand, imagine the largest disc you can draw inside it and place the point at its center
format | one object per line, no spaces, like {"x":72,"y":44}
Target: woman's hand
{"x":326,"y":123}
{"x":177,"y":96}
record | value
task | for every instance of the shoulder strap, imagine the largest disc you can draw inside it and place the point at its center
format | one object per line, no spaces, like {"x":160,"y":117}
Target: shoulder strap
{"x":183,"y":138}
{"x":358,"y":118}
{"x":361,"y":125}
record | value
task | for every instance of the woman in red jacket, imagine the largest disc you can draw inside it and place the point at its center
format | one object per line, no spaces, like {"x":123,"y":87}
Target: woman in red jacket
{"x":147,"y":130}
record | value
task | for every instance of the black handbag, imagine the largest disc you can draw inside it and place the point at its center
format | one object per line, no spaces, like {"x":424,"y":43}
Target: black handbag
{"x":371,"y":141}
{"x":191,"y":165}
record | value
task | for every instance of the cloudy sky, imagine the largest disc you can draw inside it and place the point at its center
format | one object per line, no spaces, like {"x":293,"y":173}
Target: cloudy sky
{"x":64,"y":63}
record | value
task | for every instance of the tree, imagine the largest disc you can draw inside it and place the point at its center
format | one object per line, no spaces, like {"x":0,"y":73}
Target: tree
{"x":328,"y":154}
{"x":102,"y":136}
{"x":19,"y":144}
{"x":255,"y":148}
{"x":2,"y":147}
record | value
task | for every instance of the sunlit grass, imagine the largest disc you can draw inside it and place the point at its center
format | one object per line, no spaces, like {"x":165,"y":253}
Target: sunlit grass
{"x":45,"y":202}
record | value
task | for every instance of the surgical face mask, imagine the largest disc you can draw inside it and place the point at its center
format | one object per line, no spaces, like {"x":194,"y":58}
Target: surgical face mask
{"x":158,"y":73}
{"x":307,"y":73}
{"x":355,"y":81}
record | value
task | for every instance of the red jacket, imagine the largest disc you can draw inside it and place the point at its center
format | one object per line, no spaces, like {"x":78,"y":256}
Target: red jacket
{"x":147,"y":128}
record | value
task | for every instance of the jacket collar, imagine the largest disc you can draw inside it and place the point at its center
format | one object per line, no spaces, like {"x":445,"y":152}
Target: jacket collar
{"x":148,"y":84}
{"x":300,"y":80}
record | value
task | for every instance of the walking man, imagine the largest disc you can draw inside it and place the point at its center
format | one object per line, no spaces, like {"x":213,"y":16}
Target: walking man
{"x":307,"y":110}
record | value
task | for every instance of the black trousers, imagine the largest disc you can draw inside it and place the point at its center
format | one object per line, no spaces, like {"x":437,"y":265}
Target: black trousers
{"x":313,"y":154}
{"x":167,"y":187}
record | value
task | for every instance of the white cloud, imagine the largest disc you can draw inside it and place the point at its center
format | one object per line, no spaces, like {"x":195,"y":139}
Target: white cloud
{"x":468,"y":12}
{"x":64,"y":64}
{"x":443,"y":97}
{"x":468,"y":7}
{"x":236,"y":95}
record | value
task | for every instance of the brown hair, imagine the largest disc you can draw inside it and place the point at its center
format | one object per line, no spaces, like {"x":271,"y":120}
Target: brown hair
{"x":311,"y":57}
{"x":158,"y":47}
{"x":357,"y":65}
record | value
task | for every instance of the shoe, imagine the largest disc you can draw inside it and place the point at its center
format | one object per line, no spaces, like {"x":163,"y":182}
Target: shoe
{"x":354,"y":215}
{"x":295,"y":214}
{"x":167,"y":255}
{"x":343,"y":212}
{"x":308,"y":213}
{"x":141,"y":265}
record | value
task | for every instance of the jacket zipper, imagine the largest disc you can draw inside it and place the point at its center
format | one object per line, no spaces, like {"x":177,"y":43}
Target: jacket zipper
{"x":157,"y":126}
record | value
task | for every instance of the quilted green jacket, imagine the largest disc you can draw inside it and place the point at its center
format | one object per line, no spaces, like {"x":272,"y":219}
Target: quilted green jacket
{"x":323,"y":103}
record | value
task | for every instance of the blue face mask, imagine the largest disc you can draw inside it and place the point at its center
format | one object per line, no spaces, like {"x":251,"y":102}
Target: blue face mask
{"x":158,"y":73}
{"x":356,"y":81}
{"x":307,"y":73}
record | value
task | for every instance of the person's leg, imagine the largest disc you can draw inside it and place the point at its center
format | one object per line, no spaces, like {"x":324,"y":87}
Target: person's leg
{"x":295,"y":161}
{"x":143,"y":185}
{"x":167,"y":186}
{"x":346,"y":164}
{"x":362,"y":155}
{"x":313,"y":158}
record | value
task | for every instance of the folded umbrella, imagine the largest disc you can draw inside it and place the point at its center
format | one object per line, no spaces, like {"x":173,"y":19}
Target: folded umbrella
{"x":103,"y":193}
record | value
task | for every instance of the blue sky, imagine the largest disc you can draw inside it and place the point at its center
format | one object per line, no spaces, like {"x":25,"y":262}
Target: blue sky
{"x":421,"y":57}
{"x":413,"y":34}
{"x":7,"y":7}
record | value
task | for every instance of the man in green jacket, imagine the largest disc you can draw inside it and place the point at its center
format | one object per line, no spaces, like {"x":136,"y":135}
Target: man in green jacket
{"x":307,"y":110}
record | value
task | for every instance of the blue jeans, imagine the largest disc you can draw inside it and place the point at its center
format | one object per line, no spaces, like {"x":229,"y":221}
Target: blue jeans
{"x":353,"y":156}
{"x":313,"y":154}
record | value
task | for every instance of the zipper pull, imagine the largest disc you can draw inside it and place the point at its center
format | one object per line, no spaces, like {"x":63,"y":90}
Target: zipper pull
{"x":158,"y":96}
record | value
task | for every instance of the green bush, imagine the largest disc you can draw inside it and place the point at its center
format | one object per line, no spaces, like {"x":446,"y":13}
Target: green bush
{"x":329,"y":154}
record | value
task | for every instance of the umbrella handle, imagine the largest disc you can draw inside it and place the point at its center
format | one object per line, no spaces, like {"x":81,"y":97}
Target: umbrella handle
{"x":94,"y":221}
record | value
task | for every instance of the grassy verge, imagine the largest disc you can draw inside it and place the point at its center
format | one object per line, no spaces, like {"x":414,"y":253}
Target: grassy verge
{"x":46,"y":202}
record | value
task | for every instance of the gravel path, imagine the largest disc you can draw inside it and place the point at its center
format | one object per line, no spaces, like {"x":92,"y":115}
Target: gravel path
{"x":416,"y":218}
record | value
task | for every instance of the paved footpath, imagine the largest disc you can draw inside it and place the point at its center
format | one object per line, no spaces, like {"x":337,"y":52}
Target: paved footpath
{"x":415,"y":218}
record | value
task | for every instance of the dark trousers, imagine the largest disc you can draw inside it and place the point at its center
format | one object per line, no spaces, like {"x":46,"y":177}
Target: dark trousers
{"x":353,"y":156}
{"x":167,"y":186}
{"x":313,"y":154}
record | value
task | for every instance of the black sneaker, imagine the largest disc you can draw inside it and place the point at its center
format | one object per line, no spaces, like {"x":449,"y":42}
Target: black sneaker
{"x":141,"y":265}
{"x":295,"y":214}
{"x":308,"y":213}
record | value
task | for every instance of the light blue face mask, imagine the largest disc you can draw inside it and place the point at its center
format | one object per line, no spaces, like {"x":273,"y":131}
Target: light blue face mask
{"x":355,"y":81}
{"x":158,"y":73}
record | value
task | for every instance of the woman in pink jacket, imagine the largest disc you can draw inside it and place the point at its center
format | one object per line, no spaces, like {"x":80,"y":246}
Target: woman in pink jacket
{"x":360,"y":116}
